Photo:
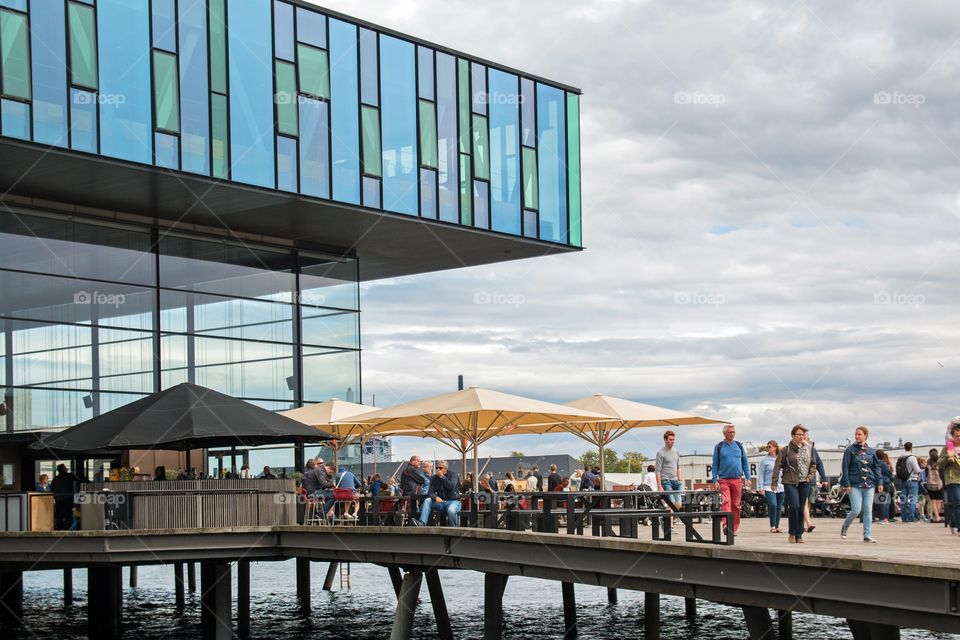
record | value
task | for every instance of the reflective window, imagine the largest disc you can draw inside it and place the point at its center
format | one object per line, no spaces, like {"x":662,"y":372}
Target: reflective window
{"x":369,"y":83}
{"x":221,"y":148}
{"x":218,"y":46}
{"x":283,"y":30}
{"x":286,"y":164}
{"x":194,"y":87}
{"x":466,"y":190}
{"x":428,"y":193}
{"x":164,"y":25}
{"x":425,"y":73}
{"x":165,"y":94}
{"x":330,"y":373}
{"x":327,"y":282}
{"x":14,"y":55}
{"x":528,"y":112}
{"x":344,"y":105}
{"x":15,"y":120}
{"x":330,"y":327}
{"x":481,"y":148}
{"x":314,"y":148}
{"x":19,"y":5}
{"x":125,"y":361}
{"x":447,"y":136}
{"x":481,"y":204}
{"x":216,"y":316}
{"x":428,"y":134}
{"x":287,"y":98}
{"x":126,"y":114}
{"x":48,"y":44}
{"x":251,"y":93}
{"x":551,"y":165}
{"x":573,"y":166}
{"x":463,"y":101}
{"x":530,"y":224}
{"x":478,"y":85}
{"x":313,"y":73}
{"x":83,"y":45}
{"x":371,"y":141}
{"x":371,"y":192}
{"x":531,"y":198}
{"x":398,"y":103}
{"x":312,"y":27}
{"x":83,"y":121}
{"x":504,"y":152}
{"x":166,"y":149}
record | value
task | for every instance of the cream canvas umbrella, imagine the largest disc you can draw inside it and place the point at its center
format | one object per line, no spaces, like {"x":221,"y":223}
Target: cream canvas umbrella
{"x":464,"y":420}
{"x":628,"y":415}
{"x":323,"y":416}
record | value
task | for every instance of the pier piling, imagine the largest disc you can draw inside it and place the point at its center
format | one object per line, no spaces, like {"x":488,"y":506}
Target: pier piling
{"x":68,"y":587}
{"x":11,"y":595}
{"x":569,"y":611}
{"x":191,"y":577}
{"x":444,"y":631}
{"x":873,"y":630}
{"x":758,"y":621}
{"x":178,"y":586}
{"x":493,"y":585}
{"x":651,"y":615}
{"x":784,"y":625}
{"x":103,"y":601}
{"x":396,"y":578}
{"x":303,"y":584}
{"x":611,"y":596}
{"x":216,"y":616}
{"x":406,"y":606}
{"x":690,"y":608}
{"x":133,"y":576}
{"x":331,"y":574}
{"x":243,"y":599}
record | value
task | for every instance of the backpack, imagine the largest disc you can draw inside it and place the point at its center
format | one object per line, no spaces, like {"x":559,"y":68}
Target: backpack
{"x":934,"y":481}
{"x":902,"y":472}
{"x":716,"y":449}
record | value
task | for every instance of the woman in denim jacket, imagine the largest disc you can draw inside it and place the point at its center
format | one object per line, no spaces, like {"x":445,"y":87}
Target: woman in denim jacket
{"x":860,"y":476}
{"x":765,"y":478}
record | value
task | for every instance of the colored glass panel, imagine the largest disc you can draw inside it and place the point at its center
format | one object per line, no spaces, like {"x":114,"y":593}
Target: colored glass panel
{"x":425,"y":73}
{"x":221,"y":148}
{"x":83,"y":121}
{"x":314,"y":73}
{"x":369,"y":82}
{"x":478,"y":86}
{"x":463,"y":100}
{"x":251,"y":93}
{"x":530,"y":224}
{"x":166,"y":148}
{"x":371,"y":192}
{"x":551,"y":159}
{"x":164,"y":25}
{"x":83,"y":45}
{"x":344,"y":106}
{"x":428,"y":193}
{"x":311,"y":27}
{"x":428,"y":134}
{"x":372,"y":164}
{"x":481,"y":204}
{"x":314,"y":148}
{"x":48,"y":40}
{"x":573,"y":166}
{"x":218,"y":46}
{"x":447,"y":160}
{"x":14,"y":54}
{"x":126,"y":101}
{"x":19,"y":5}
{"x":286,"y":164}
{"x":504,"y":152}
{"x":531,"y":194}
{"x":398,"y":105}
{"x":287,"y":98}
{"x":165,"y":94}
{"x":15,"y":119}
{"x":466,"y":197}
{"x":283,"y":30}
{"x":194,"y":87}
{"x":528,"y":114}
{"x":481,"y":148}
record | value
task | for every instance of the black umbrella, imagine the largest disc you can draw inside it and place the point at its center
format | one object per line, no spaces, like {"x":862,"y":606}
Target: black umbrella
{"x":186,"y":416}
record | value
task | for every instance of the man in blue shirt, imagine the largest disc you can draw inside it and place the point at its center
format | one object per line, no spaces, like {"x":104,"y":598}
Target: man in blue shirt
{"x":730,"y":467}
{"x":442,"y":495}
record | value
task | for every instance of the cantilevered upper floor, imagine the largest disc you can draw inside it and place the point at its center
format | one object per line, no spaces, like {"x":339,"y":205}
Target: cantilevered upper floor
{"x":280,"y":118}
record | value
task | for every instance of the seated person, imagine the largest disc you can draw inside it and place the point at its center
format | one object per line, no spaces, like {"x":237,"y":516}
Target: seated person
{"x":268,"y":474}
{"x":43,"y":484}
{"x":317,"y":484}
{"x":442,"y":495}
{"x":345,"y":489}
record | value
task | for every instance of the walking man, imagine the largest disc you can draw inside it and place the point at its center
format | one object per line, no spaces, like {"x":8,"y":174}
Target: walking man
{"x":667,"y":468}
{"x":911,"y":483}
{"x":730,"y":467}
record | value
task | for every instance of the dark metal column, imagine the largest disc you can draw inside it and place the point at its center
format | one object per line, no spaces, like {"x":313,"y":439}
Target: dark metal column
{"x":569,"y":611}
{"x":651,"y":615}
{"x":103,"y":597}
{"x":331,"y":574}
{"x":444,"y":631}
{"x":223,"y":611}
{"x":303,"y":584}
{"x":784,"y":625}
{"x":880,"y":631}
{"x":133,"y":576}
{"x":611,"y":596}
{"x":178,"y":586}
{"x":243,"y":599}
{"x":396,"y":578}
{"x":11,"y":595}
{"x":690,"y":607}
{"x":68,"y":587}
{"x":406,"y":606}
{"x":758,"y":623}
{"x":492,"y":606}
{"x":191,"y":577}
{"x":860,"y":630}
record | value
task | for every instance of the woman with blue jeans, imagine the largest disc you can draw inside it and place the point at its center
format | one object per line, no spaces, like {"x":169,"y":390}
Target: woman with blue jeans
{"x":765,"y":477}
{"x":860,"y":476}
{"x":798,"y":465}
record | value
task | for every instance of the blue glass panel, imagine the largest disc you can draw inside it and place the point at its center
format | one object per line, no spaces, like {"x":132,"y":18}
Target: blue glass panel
{"x":251,"y":92}
{"x":286,"y":164}
{"x":371,"y":192}
{"x":425,"y":73}
{"x":283,"y":30}
{"x":447,"y":136}
{"x":481,"y":204}
{"x":369,"y":89}
{"x":551,"y":163}
{"x":15,"y":122}
{"x":398,"y":97}
{"x":428,"y":193}
{"x":83,"y":120}
{"x":19,"y":5}
{"x":311,"y":27}
{"x":530,"y":223}
{"x":344,"y":107}
{"x":528,"y":112}
{"x":504,"y":152}
{"x":166,"y":149}
{"x":194,"y":87}
{"x":126,"y":101}
{"x":314,"y":148}
{"x":164,"y":25}
{"x":48,"y":48}
{"x":478,"y":87}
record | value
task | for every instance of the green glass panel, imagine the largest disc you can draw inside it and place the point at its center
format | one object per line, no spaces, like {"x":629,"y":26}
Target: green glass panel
{"x":466,"y":191}
{"x":83,"y":46}
{"x":221,"y":159}
{"x":287,"y":120}
{"x":481,"y":148}
{"x":16,"y":54}
{"x":314,"y":72}
{"x":463,"y":104}
{"x":372,"y":153}
{"x":573,"y":166}
{"x":531,"y":194}
{"x":218,"y":47}
{"x":166,"y":102}
{"x":428,"y":134}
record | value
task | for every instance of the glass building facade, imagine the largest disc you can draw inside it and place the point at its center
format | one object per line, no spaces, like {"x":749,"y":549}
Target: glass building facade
{"x":286,"y":97}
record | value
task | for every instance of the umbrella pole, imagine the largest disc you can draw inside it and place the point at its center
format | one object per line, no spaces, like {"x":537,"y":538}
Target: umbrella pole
{"x":188,"y":463}
{"x":476,"y":456}
{"x":463,"y":456}
{"x":603,"y":466}
{"x":233,"y":460}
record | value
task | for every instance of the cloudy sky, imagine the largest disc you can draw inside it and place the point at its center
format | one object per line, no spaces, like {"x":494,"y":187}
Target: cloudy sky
{"x":771,"y":212}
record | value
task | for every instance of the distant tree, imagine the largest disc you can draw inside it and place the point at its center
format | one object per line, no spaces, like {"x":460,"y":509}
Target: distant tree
{"x":592,"y":458}
{"x":631,"y":462}
{"x":517,"y":454}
